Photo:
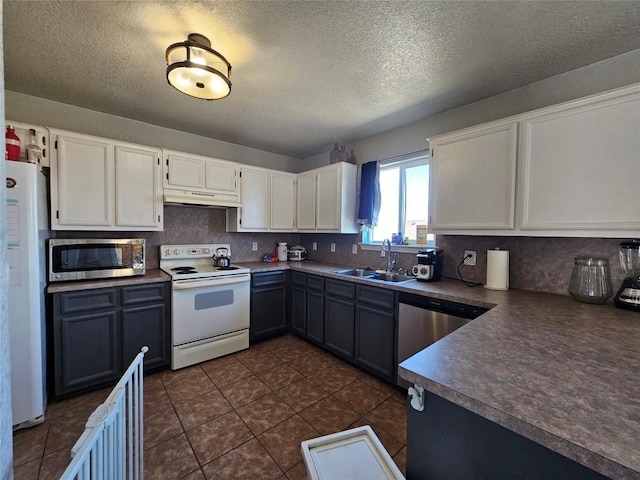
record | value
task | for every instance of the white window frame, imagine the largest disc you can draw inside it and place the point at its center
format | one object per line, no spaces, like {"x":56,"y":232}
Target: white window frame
{"x":403,"y":162}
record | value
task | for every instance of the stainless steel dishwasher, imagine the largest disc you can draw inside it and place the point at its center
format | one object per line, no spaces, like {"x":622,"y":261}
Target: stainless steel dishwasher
{"x":423,"y":321}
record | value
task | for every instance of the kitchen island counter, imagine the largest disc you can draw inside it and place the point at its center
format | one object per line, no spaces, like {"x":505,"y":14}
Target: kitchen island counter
{"x":561,"y":373}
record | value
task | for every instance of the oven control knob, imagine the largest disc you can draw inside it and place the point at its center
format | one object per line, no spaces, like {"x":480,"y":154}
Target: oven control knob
{"x":205,"y":251}
{"x":167,"y":252}
{"x":176,"y":251}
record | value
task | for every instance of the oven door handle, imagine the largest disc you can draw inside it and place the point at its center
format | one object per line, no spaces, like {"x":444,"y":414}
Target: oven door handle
{"x":187,"y":284}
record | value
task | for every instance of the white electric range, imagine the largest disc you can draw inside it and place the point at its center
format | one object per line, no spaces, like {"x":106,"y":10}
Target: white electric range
{"x":210,"y":306}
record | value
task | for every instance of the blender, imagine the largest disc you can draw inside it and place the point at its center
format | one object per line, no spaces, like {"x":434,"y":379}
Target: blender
{"x":629,"y":294}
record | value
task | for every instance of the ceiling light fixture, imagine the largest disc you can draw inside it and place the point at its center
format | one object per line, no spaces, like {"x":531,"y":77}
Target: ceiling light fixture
{"x":197,"y":70}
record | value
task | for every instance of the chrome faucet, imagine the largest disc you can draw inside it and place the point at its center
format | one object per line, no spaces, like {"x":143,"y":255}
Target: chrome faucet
{"x":386,"y":252}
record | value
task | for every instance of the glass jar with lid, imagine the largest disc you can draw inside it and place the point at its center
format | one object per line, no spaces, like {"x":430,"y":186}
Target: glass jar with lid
{"x":590,"y":280}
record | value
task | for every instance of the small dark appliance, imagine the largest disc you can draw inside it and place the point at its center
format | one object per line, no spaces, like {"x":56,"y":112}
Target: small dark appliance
{"x":628,"y":296}
{"x":429,"y":266}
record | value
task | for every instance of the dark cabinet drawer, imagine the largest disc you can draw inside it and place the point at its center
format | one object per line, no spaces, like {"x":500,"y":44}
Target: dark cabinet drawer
{"x":376,"y":297}
{"x":136,"y":294}
{"x":315,"y":283}
{"x":70,"y":303}
{"x":338,"y":288}
{"x":269,"y":278}
{"x":299,"y":279}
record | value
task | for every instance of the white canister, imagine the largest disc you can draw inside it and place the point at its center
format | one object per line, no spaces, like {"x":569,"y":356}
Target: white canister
{"x":282,"y":252}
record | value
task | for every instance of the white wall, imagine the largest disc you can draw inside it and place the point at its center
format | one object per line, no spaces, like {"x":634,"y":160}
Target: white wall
{"x":598,"y":77}
{"x":6,"y":436}
{"x":47,"y":113}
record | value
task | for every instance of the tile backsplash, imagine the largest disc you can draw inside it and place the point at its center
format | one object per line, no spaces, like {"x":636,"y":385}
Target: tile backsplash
{"x":535,"y":263}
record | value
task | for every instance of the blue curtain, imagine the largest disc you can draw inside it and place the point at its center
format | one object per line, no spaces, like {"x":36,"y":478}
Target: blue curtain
{"x":369,"y":194}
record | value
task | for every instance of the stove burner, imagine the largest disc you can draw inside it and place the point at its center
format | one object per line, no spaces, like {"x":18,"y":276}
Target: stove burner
{"x":184,"y":270}
{"x":228,"y":268}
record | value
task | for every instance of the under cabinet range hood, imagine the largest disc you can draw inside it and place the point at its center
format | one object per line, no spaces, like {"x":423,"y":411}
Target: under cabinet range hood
{"x":199,"y":199}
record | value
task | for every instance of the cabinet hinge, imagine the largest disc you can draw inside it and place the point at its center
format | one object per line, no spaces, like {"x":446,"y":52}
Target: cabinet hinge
{"x":158,"y":161}
{"x":44,"y":140}
{"x":55,"y":144}
{"x":240,"y":221}
{"x":167,"y":162}
{"x":44,"y":153}
{"x":57,"y":213}
{"x":167,"y":175}
{"x":158,"y":218}
{"x":240,"y":174}
{"x":432,"y":152}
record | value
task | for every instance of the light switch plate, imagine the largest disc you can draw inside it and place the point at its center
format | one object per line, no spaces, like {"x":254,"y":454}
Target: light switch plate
{"x":333,"y":247}
{"x":254,"y":246}
{"x":314,"y":246}
{"x":354,"y":248}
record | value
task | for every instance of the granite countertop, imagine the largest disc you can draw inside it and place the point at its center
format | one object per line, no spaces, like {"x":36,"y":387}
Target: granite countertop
{"x":150,"y":276}
{"x":561,"y":373}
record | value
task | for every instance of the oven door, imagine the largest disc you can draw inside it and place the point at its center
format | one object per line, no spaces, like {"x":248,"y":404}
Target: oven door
{"x":206,"y":307}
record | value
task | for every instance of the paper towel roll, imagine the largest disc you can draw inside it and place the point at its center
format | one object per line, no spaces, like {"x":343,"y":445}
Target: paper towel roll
{"x":497,"y":269}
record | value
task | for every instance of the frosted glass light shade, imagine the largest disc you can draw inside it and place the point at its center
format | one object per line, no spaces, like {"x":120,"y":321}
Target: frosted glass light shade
{"x":197,"y":70}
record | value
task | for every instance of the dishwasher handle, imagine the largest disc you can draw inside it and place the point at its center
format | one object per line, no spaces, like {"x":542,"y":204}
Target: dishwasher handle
{"x":443,"y":306}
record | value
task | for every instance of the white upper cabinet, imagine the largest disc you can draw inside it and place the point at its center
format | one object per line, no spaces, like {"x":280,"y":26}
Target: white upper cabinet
{"x":282,"y":209}
{"x":327,"y":199}
{"x":202,"y":180}
{"x":472,"y":181}
{"x":306,"y":201}
{"x":100,"y":184}
{"x":580,"y":165}
{"x":268,"y":201}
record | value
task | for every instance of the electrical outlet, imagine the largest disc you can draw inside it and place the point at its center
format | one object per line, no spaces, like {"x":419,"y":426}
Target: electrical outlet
{"x":314,"y":246}
{"x":254,"y":246}
{"x":333,"y":247}
{"x":354,"y":248}
{"x":470,"y":257}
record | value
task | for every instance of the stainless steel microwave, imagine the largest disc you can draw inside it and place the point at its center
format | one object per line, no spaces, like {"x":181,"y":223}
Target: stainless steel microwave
{"x":89,"y":258}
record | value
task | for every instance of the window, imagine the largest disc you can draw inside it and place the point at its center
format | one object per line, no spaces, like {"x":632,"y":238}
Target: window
{"x":404,"y":202}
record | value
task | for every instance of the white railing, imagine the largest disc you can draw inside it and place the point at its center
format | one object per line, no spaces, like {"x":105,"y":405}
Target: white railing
{"x":111,"y":446}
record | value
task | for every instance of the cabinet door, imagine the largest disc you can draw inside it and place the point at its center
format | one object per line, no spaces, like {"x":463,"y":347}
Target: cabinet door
{"x":82,"y":180}
{"x":183,"y":171}
{"x":299,"y":310}
{"x":268,"y":311}
{"x":138,"y":189}
{"x":315,"y":316}
{"x":255,"y":199}
{"x":306,"y":190}
{"x":147,"y":325}
{"x":472,"y":179}
{"x":283,"y":201}
{"x":221,"y":176}
{"x":580,"y":167}
{"x":339,"y":326}
{"x":328,"y":205}
{"x":145,"y":321}
{"x":374,"y":340}
{"x":87,"y":351}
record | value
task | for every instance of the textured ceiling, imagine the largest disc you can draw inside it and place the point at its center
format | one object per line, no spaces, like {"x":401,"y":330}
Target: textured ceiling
{"x":305,"y":73}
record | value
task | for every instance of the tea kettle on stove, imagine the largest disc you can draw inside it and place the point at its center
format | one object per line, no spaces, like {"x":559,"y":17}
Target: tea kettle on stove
{"x":221,"y":258}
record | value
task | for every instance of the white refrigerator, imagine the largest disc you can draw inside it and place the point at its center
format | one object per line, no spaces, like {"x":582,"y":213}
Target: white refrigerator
{"x":27,"y":230}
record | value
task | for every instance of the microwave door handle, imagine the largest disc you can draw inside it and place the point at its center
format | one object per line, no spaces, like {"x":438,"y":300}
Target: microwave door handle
{"x":208,"y":283}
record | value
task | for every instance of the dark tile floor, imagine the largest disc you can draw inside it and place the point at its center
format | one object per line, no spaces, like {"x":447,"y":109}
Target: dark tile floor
{"x":239,"y":416}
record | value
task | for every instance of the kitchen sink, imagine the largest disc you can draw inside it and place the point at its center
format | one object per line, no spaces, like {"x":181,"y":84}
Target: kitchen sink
{"x":356,"y":272}
{"x":391,"y":277}
{"x":373,"y":275}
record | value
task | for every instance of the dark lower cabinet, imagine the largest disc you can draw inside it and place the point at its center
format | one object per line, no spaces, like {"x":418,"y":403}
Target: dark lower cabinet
{"x":374,"y":342}
{"x":97,"y":332}
{"x":375,"y":331}
{"x":446,"y":441}
{"x":268,"y":304}
{"x":299,"y":310}
{"x":339,"y":317}
{"x":315,"y":315}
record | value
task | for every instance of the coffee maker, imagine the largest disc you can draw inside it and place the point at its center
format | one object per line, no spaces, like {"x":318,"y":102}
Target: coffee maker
{"x":628,"y":296}
{"x":429,"y":266}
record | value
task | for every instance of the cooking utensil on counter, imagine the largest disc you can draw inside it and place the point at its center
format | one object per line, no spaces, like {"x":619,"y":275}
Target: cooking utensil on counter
{"x":297,"y":253}
{"x":221,"y":258}
{"x":590,"y":280}
{"x":628,"y":296}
